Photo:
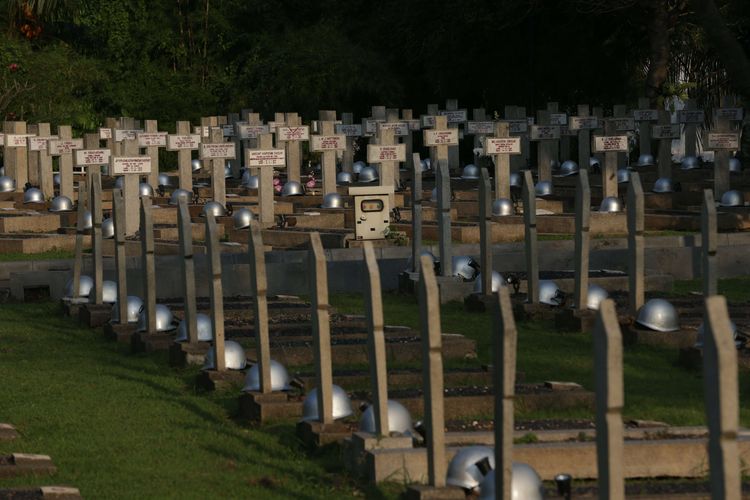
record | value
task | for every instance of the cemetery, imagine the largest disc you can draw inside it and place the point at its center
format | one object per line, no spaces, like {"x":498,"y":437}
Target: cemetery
{"x":455,"y":295}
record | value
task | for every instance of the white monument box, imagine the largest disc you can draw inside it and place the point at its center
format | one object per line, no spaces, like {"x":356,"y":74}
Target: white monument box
{"x":454,"y":116}
{"x":210,"y":151}
{"x":610,"y":143}
{"x":40,"y":143}
{"x":178,"y":142}
{"x":105,"y":133}
{"x":732,"y":114}
{"x":120,"y":165}
{"x":645,"y":115}
{"x":92,"y":157}
{"x":350,"y":130}
{"x":301,"y":133}
{"x":246,"y":131}
{"x":60,"y":147}
{"x":690,"y":116}
{"x":328,"y":142}
{"x":517,"y":126}
{"x":558,"y":119}
{"x":126,"y":135}
{"x":544,"y":132}
{"x":441,"y":137}
{"x":724,"y":140}
{"x":671,"y":131}
{"x":502,"y":146}
{"x":377,"y":153}
{"x":17,"y":140}
{"x":146,"y":139}
{"x":399,"y":128}
{"x":625,"y":124}
{"x":480,"y":128}
{"x":266,"y":157}
{"x":583,"y":122}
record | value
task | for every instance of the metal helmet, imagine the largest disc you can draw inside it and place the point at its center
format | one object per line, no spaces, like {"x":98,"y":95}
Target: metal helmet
{"x":196,"y":163}
{"x":497,"y":282}
{"x":463,"y":470}
{"x":33,"y":195}
{"x":502,"y":207}
{"x":234,"y":357}
{"x":205,"y":329}
{"x":108,"y":228}
{"x":735,"y":165}
{"x":120,"y":182}
{"x":659,"y":315}
{"x":399,"y":419}
{"x":595,"y":296}
{"x":2,"y":170}
{"x":109,"y":292}
{"x":593,"y":163}
{"x":333,"y":200}
{"x":424,"y":164}
{"x":88,"y":220}
{"x":228,"y":170}
{"x":135,"y":304}
{"x":214,"y":208}
{"x":702,"y":333}
{"x":292,"y":188}
{"x":645,"y":160}
{"x":368,"y":174}
{"x":550,"y":293}
{"x":611,"y":204}
{"x":435,"y":260}
{"x":342,"y":406}
{"x":7,"y":184}
{"x":164,"y":180}
{"x":543,"y":188}
{"x":344,"y":178}
{"x":279,"y":378}
{"x":568,"y":168}
{"x":85,"y":284}
{"x":470,"y":171}
{"x":428,"y":162}
{"x":61,"y":204}
{"x":732,"y":198}
{"x":663,"y":185}
{"x":242,"y":217}
{"x":525,"y":484}
{"x":357,"y":166}
{"x":554,"y":165}
{"x":164,"y":319}
{"x":690,"y":163}
{"x":56,"y":178}
{"x":180,"y":194}
{"x":249,"y":181}
{"x":623,"y":175}
{"x":516,"y":180}
{"x":145,"y":189}
{"x":465,"y":267}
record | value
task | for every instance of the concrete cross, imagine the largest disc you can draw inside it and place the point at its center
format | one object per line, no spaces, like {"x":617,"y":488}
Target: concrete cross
{"x":215,"y":152}
{"x":692,"y":118}
{"x":95,"y":206}
{"x":65,"y":164}
{"x":506,"y":335}
{"x":131,"y":166}
{"x":15,"y":155}
{"x":327,"y":143}
{"x":518,"y":127}
{"x":548,"y":138}
{"x":385,"y":152}
{"x":216,"y":295}
{"x":531,"y":246}
{"x":148,"y":265}
{"x":407,"y":115}
{"x":502,"y":148}
{"x":455,"y":118}
{"x":439,"y":138}
{"x":416,"y":211}
{"x":583,"y":216}
{"x":636,"y":288}
{"x":723,"y":141}
{"x":709,"y":244}
{"x":643,"y":116}
{"x":183,"y":142}
{"x":151,"y":140}
{"x":40,"y":161}
{"x":321,"y":328}
{"x":185,"y":231}
{"x":610,"y":145}
{"x":263,"y":160}
{"x":290,"y":138}
{"x":583,"y":123}
{"x":485,"y":230}
{"x":118,"y":216}
{"x":664,"y":161}
{"x":623,"y":124}
{"x":376,"y":340}
{"x":230,"y":131}
{"x":259,"y":289}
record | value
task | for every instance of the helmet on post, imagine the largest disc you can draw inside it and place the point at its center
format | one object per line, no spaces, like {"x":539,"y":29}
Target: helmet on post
{"x":88,"y":220}
{"x":333,"y":200}
{"x":515,"y":180}
{"x":108,"y":228}
{"x":56,"y":179}
{"x":33,"y":195}
{"x":463,"y":470}
{"x":164,"y":180}
{"x":663,"y":185}
{"x":228,"y":170}
{"x":470,"y":171}
{"x":399,"y":419}
{"x":292,"y":188}
{"x":690,"y":163}
{"x":502,"y":207}
{"x":525,"y":484}
{"x":543,"y":188}
{"x":242,"y":218}
{"x":368,"y":174}
{"x":357,"y":166}
{"x":735,"y":165}
{"x":249,"y":181}
{"x":623,"y":176}
{"x":109,"y":292}
{"x":550,"y":293}
{"x":145,"y":189}
{"x":497,"y":281}
{"x":732,"y":198}
{"x":196,"y":164}
{"x":205,"y":329}
{"x":180,"y":194}
{"x":234,"y":357}
{"x":659,"y":315}
{"x":611,"y":204}
{"x":164,"y":319}
{"x":214,"y":208}
{"x":7,"y":184}
{"x":61,"y":204}
{"x":279,"y":378}
{"x":465,"y":267}
{"x":595,"y":296}
{"x":342,"y":406}
{"x":568,"y":168}
{"x":85,"y":284}
{"x":594,"y":163}
{"x":134,"y":306}
{"x":646,"y":160}
{"x":344,"y":178}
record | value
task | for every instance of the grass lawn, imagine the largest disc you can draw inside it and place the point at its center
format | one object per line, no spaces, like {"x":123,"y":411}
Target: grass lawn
{"x":49,"y":255}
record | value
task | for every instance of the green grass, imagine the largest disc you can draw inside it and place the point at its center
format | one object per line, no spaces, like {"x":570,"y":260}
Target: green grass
{"x":49,"y":255}
{"x":734,"y":289}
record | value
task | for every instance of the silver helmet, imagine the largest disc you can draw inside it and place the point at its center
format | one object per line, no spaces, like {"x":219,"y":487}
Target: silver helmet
{"x":33,"y":195}
{"x":593,"y":163}
{"x":550,"y":293}
{"x":516,"y":180}
{"x":196,"y":164}
{"x":735,"y":165}
{"x":543,"y":188}
{"x":164,"y":319}
{"x":464,"y":267}
{"x":732,"y":198}
{"x":61,"y":204}
{"x":292,"y":188}
{"x":344,"y":178}
{"x":611,"y":204}
{"x":623,"y":175}
{"x":435,"y":260}
{"x":135,"y":304}
{"x":463,"y":470}
{"x":368,"y":174}
{"x":700,"y":339}
{"x":228,"y":170}
{"x":399,"y":419}
{"x":502,"y":207}
{"x":424,"y":164}
{"x":85,"y":284}
{"x":234,"y":357}
{"x":145,"y":189}
{"x":180,"y":194}
{"x":88,"y":221}
{"x":470,"y":171}
{"x":554,"y":165}
{"x":342,"y":406}
{"x":333,"y":200}
{"x":214,"y":208}
{"x":242,"y":217}
{"x":595,"y":296}
{"x":56,"y":178}
{"x":358,"y":166}
{"x":690,"y":163}
{"x":120,"y":182}
{"x":497,"y":282}
{"x":164,"y":180}
{"x":205,"y":329}
{"x":249,"y":181}
{"x":525,"y":484}
{"x":659,"y":315}
{"x":663,"y":185}
{"x":279,"y":378}
{"x":7,"y":184}
{"x":645,"y":160}
{"x":109,"y":292}
{"x":2,"y":170}
{"x":108,"y":228}
{"x":568,"y":167}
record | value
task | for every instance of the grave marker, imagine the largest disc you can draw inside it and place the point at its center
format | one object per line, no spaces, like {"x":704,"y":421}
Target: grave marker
{"x":118,"y":216}
{"x":610,"y":145}
{"x":384,"y":151}
{"x":547,"y":136}
{"x":152,"y":140}
{"x":185,"y":231}
{"x":416,"y":211}
{"x":216,"y":295}
{"x":692,"y":118}
{"x":531,"y":245}
{"x":215,"y":153}
{"x":407,"y":116}
{"x":95,"y":206}
{"x":502,"y":148}
{"x":623,"y":125}
{"x":518,"y":126}
{"x":723,"y":141}
{"x":263,"y":160}
{"x":148,"y":265}
{"x":328,"y":144}
{"x":40,"y":154}
{"x":259,"y":289}
{"x":505,"y":384}
{"x":33,"y":160}
{"x":709,"y":244}
{"x":485,"y":230}
{"x":15,"y":153}
{"x":131,"y":166}
{"x":636,"y":289}
{"x":445,"y":241}
{"x":376,"y":341}
{"x":83,"y":196}
{"x":642,"y":116}
{"x":583,"y":124}
{"x":230,"y":131}
{"x":455,"y":117}
{"x":321,"y":328}
{"x":439,"y":138}
{"x":582,"y":239}
{"x":292,"y":136}
{"x":664,"y":163}
{"x":347,"y":160}
{"x":65,"y":164}
{"x":184,"y":142}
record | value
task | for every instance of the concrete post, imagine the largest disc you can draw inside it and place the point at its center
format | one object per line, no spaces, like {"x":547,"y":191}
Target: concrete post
{"x":321,"y":328}
{"x":148,"y":265}
{"x":95,"y":206}
{"x":259,"y":289}
{"x":505,"y":334}
{"x":118,"y":216}
{"x":636,"y":288}
{"x":216,"y":295}
{"x":443,"y":181}
{"x":709,"y":244}
{"x":185,"y":231}
{"x":582,"y":237}
{"x":416,"y":211}
{"x":376,"y":341}
{"x":485,"y":231}
{"x":531,"y":244}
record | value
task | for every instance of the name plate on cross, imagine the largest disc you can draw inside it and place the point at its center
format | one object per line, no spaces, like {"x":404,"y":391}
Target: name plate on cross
{"x":146,"y":139}
{"x":349,"y":130}
{"x":414,"y":125}
{"x":399,"y":128}
{"x":625,"y":124}
{"x":558,"y":119}
{"x":126,"y":135}
{"x":17,"y":140}
{"x":502,"y":145}
{"x":370,"y":126}
{"x":645,"y":115}
{"x":40,"y":143}
{"x":214,"y":150}
{"x":301,"y":133}
{"x":93,"y":157}
{"x":480,"y":128}
{"x":544,"y":132}
{"x":441,"y":137}
{"x":178,"y":142}
{"x":731,"y":114}
{"x":454,"y":116}
{"x":665,"y":131}
{"x":690,"y":116}
{"x":610,"y":143}
{"x":105,"y":133}
{"x":725,"y":140}
{"x":378,"y":154}
{"x":64,"y":147}
{"x":517,"y":126}
{"x":427,"y":121}
{"x":583,"y":123}
{"x":251,"y":131}
{"x":328,"y":142}
{"x":227,"y":130}
{"x":266,"y":157}
{"x":121,"y":165}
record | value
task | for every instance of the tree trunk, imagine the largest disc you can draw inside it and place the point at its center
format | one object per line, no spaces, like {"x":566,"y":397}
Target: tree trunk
{"x":659,"y":49}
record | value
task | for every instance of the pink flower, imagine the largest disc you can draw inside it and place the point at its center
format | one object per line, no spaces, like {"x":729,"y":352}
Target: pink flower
{"x":13,"y":67}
